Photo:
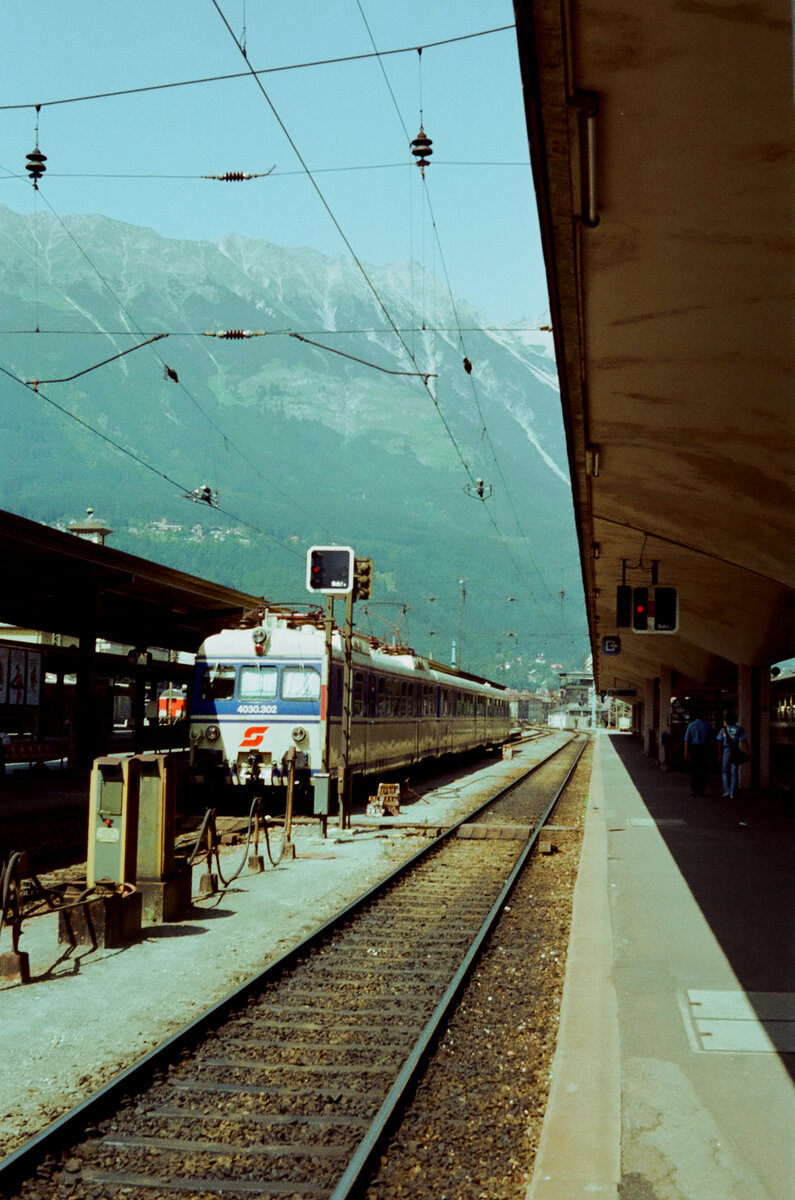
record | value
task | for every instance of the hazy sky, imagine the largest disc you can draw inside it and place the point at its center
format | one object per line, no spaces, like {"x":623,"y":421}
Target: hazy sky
{"x":114,"y":155}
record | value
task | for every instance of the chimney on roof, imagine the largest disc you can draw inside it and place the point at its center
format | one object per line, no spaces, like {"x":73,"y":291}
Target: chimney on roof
{"x":91,"y":530}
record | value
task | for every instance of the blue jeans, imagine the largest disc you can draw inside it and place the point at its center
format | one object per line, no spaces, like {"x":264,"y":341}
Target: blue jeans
{"x":730,"y":773}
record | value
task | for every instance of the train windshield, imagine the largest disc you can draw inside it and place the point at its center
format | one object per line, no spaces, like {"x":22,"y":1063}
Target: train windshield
{"x":300,"y":683}
{"x":217,"y":682}
{"x":258,"y":683}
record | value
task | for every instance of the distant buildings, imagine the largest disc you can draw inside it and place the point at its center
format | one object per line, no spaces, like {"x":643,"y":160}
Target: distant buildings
{"x":577,"y":706}
{"x":94,"y":531}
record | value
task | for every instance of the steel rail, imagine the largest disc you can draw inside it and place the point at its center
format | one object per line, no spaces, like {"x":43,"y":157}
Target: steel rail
{"x":360,"y":1167}
{"x":22,"y":1163}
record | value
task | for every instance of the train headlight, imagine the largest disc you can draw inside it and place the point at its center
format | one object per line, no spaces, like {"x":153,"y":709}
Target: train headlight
{"x":299,"y":734}
{"x":196,"y":733}
{"x":212,"y":733}
{"x":259,"y":636}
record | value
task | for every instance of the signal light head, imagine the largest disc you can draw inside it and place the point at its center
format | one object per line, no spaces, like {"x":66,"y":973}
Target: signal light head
{"x":329,"y":569}
{"x":640,"y":614}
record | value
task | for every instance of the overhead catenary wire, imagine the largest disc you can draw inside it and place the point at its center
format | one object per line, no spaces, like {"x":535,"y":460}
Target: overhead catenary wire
{"x":138,"y":458}
{"x":424,"y":375}
{"x":244,"y":334}
{"x":475,"y":393}
{"x":272,"y":174}
{"x":192,"y":333}
{"x":320,"y":62}
{"x":34,"y":383}
{"x":467,"y":363}
{"x":348,"y":245}
{"x":227,"y":440}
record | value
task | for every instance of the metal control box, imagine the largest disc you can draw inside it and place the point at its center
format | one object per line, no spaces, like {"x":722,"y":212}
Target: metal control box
{"x":157,"y":815}
{"x":113,"y":821}
{"x":322,"y":784}
{"x":163,"y":881}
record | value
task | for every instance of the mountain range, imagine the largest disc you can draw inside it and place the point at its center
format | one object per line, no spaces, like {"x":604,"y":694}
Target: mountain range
{"x":327,"y":427}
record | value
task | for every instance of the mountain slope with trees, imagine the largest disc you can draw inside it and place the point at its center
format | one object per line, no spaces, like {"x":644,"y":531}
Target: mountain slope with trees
{"x":327,"y":437}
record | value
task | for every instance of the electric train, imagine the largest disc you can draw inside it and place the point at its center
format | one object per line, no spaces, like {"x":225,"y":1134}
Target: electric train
{"x":265,"y":695}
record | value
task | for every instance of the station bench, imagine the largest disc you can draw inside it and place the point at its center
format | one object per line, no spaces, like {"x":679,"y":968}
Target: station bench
{"x":26,"y":750}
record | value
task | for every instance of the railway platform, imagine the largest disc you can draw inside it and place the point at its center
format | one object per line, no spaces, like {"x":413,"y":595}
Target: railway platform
{"x":673,"y":1078}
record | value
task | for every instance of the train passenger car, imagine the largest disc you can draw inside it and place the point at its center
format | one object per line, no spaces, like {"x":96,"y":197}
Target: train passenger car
{"x":171,"y":705}
{"x":258,"y":693}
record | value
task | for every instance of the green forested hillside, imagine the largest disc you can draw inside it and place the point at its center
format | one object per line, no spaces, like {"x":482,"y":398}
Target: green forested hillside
{"x":303,"y":444}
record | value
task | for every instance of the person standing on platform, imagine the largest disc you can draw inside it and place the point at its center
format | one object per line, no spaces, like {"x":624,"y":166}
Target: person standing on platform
{"x":734,"y":748}
{"x":697,"y":739}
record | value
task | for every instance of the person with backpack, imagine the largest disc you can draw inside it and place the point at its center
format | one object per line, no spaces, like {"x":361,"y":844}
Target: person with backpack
{"x":734,"y":751}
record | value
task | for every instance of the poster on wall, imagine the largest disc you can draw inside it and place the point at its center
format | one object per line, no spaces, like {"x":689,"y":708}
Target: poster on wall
{"x":16,"y":677}
{"x":3,"y":674}
{"x":33,"y":678}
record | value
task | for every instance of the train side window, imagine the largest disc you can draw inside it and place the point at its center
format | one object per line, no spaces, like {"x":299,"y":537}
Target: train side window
{"x":218,"y":682}
{"x":358,"y":694}
{"x":300,"y":683}
{"x":258,"y":683}
{"x":335,"y":699}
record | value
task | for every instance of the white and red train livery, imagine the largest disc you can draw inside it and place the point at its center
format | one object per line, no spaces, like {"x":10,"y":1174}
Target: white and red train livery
{"x":260,"y":692}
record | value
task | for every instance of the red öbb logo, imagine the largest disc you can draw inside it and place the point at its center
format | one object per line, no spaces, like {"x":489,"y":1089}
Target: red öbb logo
{"x":253,"y":736}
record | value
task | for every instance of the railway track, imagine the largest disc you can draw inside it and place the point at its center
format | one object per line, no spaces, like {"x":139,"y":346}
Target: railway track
{"x":290,"y":1086}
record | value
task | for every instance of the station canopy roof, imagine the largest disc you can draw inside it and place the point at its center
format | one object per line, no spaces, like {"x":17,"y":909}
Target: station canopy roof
{"x":662,"y":144}
{"x":61,"y":583}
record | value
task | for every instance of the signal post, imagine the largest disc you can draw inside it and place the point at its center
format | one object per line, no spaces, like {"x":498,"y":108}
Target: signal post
{"x":334,"y":571}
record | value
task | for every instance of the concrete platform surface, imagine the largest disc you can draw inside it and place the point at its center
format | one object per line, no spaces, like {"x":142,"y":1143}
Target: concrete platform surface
{"x":673,"y":1077}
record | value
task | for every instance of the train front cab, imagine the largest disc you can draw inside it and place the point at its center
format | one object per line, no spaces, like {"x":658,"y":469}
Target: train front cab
{"x":249,"y":718}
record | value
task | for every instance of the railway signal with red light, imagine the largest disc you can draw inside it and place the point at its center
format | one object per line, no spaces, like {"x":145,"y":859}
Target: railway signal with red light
{"x":329,"y":570}
{"x":654,"y":610}
{"x":640,"y":609}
